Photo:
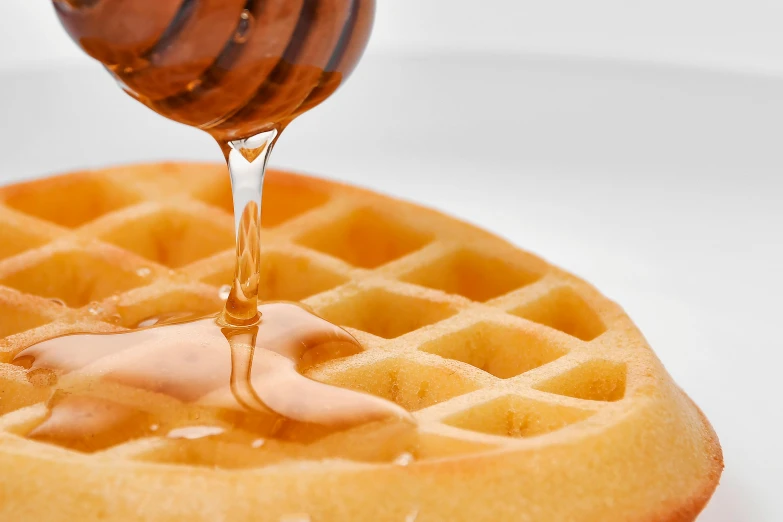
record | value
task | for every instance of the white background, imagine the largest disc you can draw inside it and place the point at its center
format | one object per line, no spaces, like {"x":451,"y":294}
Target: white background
{"x":637,"y":144}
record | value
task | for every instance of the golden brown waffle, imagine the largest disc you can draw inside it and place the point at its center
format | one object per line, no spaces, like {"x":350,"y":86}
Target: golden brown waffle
{"x":536,"y":397}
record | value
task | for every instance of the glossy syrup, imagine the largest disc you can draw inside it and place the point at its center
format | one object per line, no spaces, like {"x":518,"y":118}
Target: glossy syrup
{"x":197,"y":379}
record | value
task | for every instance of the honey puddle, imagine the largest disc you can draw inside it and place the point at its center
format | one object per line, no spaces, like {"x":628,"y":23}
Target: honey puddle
{"x":198,"y":379}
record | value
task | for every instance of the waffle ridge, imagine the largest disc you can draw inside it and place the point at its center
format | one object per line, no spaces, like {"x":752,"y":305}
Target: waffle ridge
{"x":529,"y":364}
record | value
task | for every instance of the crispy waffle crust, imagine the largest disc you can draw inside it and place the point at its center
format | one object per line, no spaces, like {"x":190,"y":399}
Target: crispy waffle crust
{"x":537,"y":399}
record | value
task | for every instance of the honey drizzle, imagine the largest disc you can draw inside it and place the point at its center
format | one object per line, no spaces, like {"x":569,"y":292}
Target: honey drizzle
{"x":247,"y":161}
{"x":112,"y":387}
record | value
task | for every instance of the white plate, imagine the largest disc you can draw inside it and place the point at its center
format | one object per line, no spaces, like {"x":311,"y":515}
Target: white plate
{"x":659,"y":185}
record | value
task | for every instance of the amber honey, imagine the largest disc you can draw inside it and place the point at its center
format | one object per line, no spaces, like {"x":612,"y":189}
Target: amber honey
{"x":196,"y":379}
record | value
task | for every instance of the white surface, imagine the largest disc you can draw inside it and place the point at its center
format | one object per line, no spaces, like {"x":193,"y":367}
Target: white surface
{"x":743,"y":34}
{"x":662,"y":186}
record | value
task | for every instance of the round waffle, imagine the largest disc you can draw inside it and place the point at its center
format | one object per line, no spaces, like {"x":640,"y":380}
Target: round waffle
{"x":535,"y":397}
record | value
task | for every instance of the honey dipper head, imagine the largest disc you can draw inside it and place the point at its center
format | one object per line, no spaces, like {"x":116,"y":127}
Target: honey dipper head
{"x":234,"y":68}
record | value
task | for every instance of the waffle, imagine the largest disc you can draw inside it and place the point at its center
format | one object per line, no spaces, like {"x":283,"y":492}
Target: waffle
{"x":535,"y":397}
